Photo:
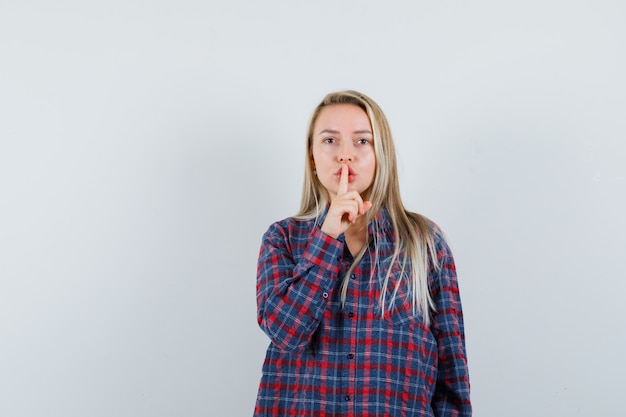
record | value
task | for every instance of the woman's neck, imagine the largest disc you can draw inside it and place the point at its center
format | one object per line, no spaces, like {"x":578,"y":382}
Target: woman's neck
{"x":356,"y":235}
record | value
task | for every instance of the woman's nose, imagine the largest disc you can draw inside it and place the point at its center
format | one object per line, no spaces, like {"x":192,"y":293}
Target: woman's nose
{"x":345,"y":154}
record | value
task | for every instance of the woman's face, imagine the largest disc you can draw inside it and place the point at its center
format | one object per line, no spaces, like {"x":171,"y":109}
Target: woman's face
{"x":342,"y":134}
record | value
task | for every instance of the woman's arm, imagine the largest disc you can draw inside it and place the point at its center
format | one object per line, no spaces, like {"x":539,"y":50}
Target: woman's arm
{"x":452,"y":393}
{"x":293,"y":291}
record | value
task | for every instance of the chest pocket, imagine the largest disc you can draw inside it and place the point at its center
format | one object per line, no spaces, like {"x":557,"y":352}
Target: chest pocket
{"x":398,"y":308}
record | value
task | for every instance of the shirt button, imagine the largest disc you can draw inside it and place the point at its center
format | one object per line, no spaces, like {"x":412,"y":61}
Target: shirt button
{"x":353,"y":276}
{"x":325,"y":294}
{"x":350,"y":355}
{"x":350,"y":314}
{"x":347,"y":398}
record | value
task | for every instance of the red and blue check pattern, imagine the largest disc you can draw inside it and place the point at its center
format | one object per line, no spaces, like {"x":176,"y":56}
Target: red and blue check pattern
{"x":329,"y":360}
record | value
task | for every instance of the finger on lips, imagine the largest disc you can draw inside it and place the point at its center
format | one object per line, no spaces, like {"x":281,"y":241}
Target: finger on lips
{"x":343,"y":180}
{"x":351,"y":211}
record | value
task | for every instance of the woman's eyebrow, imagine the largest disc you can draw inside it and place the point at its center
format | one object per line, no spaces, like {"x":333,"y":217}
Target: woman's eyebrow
{"x":331,"y":131}
{"x":334,"y":132}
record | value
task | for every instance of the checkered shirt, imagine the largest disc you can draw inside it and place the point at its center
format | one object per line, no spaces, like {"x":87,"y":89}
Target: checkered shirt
{"x":329,"y":360}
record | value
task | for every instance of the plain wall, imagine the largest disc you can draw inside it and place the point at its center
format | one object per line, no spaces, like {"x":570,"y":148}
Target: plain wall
{"x":146,"y":146}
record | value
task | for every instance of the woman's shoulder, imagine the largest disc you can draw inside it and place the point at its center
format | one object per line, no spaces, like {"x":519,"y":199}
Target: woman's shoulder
{"x":291,"y":227}
{"x":424,"y":223}
{"x":430,"y":230}
{"x":294,"y":222}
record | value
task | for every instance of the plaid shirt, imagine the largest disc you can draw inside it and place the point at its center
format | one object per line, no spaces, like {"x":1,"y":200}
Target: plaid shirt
{"x":329,"y":360}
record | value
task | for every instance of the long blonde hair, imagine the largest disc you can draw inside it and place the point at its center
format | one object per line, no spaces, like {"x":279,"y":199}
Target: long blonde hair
{"x":414,"y":246}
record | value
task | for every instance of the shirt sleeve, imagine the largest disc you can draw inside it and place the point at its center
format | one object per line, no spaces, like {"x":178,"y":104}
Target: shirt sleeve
{"x":452,"y":392}
{"x":294,"y":290}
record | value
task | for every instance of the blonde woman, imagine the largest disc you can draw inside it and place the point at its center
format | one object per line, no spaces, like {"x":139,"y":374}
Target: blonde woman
{"x":358,"y":296}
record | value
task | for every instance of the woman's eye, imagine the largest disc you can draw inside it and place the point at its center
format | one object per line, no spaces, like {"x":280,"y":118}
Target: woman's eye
{"x":329,"y":140}
{"x":363,"y":141}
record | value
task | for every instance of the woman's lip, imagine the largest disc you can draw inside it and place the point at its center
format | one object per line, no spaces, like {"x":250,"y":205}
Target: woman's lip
{"x":350,"y":176}
{"x":350,"y":172}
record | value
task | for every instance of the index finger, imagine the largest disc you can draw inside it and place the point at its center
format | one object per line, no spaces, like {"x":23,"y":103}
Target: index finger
{"x":343,"y":180}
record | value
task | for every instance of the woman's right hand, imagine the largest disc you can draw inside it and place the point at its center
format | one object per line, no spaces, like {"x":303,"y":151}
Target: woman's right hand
{"x":345,"y":208}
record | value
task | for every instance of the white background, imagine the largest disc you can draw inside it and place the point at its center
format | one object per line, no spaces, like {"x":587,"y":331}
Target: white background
{"x":146,"y":146}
